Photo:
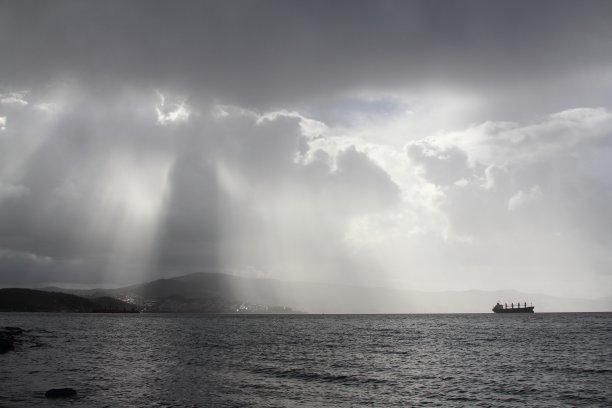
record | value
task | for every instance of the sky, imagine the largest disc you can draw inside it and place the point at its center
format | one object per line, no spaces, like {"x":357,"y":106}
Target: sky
{"x":426,"y":145}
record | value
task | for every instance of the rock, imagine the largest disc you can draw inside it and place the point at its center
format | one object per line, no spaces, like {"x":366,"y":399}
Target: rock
{"x":13,"y":337}
{"x":60,"y":393}
{"x":7,"y":338}
{"x":15,"y":331}
{"x":6,"y":343}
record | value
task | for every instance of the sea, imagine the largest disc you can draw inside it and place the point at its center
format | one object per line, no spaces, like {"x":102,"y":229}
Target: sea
{"x":184,"y":360}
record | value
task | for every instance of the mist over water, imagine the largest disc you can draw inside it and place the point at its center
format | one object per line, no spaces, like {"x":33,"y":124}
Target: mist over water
{"x":311,"y":360}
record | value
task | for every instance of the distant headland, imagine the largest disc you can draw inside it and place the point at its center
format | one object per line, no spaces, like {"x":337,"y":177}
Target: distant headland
{"x":30,"y":300}
{"x":163,"y":296}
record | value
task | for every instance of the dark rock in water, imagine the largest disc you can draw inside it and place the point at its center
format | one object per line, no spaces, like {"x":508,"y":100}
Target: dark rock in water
{"x":12,"y":338}
{"x":60,"y":393}
{"x":15,"y":331}
{"x":7,"y":338}
{"x":6,"y":344}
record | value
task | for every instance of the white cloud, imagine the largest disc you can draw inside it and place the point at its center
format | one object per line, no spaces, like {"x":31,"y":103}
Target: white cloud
{"x":440,"y":165}
{"x":521,"y":198}
{"x":220,"y":111}
{"x":14,"y":99}
{"x":310,"y":128}
{"x":499,"y":142}
{"x":496,"y":196}
{"x":2,"y":122}
{"x":171,"y":112}
{"x":493,"y":175}
{"x":47,"y":107}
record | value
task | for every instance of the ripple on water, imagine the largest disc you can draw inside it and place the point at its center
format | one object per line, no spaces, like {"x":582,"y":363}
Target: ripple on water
{"x":423,"y":360}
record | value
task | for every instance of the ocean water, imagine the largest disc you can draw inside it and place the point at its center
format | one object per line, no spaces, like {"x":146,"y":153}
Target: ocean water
{"x":310,"y":360}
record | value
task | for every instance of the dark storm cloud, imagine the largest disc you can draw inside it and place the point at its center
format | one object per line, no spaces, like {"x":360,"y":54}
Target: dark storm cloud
{"x":269,"y":53}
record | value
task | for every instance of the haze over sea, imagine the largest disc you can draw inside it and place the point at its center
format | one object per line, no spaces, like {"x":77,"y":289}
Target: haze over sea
{"x":310,"y":360}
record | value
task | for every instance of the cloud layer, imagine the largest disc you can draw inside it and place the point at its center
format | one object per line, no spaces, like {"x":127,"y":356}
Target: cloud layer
{"x":414,"y":144}
{"x":118,"y":191}
{"x":275,"y":54}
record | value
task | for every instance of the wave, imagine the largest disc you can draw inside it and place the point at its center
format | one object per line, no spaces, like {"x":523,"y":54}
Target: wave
{"x":304,"y":375}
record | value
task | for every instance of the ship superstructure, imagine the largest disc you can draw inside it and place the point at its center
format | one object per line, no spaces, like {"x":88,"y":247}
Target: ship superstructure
{"x":514,"y":308}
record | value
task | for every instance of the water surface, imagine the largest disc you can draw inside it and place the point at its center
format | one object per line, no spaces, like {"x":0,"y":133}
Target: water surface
{"x":310,"y":360}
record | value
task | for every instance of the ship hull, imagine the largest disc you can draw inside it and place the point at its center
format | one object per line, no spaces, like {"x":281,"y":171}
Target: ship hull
{"x":528,"y":309}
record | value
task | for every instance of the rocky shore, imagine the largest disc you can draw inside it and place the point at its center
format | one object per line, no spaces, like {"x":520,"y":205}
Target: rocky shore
{"x":10,"y":337}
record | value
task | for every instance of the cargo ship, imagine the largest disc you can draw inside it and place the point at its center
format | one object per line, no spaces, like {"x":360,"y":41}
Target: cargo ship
{"x":514,"y":308}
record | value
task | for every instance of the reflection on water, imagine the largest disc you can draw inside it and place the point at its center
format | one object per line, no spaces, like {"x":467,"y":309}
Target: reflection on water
{"x":391,"y":360}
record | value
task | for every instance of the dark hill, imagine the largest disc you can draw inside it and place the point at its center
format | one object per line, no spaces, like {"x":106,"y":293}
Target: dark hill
{"x":198,"y":285}
{"x":29,"y":300}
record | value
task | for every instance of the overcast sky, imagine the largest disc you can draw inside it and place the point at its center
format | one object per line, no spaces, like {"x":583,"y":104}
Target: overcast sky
{"x":432,"y":145}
